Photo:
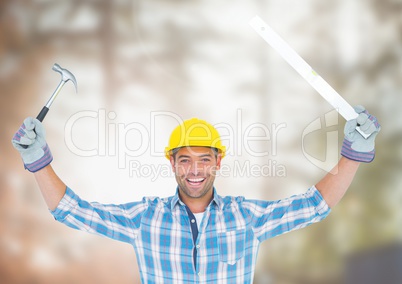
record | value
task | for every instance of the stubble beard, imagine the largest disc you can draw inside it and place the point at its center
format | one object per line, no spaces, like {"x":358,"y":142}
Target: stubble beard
{"x":184,"y":188}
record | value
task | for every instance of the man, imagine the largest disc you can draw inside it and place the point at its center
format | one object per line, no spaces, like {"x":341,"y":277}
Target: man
{"x":196,"y":236}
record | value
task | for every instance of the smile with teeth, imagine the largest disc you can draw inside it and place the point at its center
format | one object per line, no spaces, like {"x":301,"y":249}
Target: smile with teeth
{"x":195,"y":181}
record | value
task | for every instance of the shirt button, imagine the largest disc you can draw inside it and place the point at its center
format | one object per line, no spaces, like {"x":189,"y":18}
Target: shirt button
{"x":192,"y":221}
{"x":198,"y":246}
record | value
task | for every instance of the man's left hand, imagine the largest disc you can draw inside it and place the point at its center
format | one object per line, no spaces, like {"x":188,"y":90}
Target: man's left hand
{"x":355,"y":146}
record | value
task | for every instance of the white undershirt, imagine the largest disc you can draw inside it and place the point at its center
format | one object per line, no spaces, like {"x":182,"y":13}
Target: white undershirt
{"x":198,"y":218}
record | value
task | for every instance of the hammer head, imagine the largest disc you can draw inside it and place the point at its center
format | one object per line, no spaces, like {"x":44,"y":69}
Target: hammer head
{"x":65,"y":75}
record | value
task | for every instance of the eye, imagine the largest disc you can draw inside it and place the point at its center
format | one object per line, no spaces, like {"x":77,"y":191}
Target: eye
{"x":206,"y":160}
{"x":183,"y":161}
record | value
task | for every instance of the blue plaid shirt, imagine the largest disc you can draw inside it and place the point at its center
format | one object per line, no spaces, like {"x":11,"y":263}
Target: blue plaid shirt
{"x":159,"y":229}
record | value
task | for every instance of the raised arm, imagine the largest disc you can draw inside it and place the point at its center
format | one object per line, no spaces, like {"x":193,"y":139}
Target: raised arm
{"x":51,"y":186}
{"x":118,"y":222}
{"x":30,"y":141}
{"x":355,"y":149}
{"x":335,"y":183}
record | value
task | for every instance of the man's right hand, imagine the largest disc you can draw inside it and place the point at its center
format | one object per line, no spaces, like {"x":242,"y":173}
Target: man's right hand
{"x":30,"y":141}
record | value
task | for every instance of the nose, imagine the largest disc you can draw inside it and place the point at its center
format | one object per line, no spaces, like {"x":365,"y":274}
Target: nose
{"x":194,"y":169}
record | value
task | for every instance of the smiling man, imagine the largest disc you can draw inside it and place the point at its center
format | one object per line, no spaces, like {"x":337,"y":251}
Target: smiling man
{"x":195,"y":152}
{"x":196,"y":236}
{"x":195,"y":171}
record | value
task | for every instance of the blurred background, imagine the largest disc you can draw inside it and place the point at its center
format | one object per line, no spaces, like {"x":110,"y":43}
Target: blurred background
{"x":144,"y":65}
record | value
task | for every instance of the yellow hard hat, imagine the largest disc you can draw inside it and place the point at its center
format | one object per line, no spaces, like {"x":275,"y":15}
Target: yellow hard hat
{"x":195,"y":132}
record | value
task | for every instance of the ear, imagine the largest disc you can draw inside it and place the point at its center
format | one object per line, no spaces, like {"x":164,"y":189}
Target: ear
{"x":218,"y":161}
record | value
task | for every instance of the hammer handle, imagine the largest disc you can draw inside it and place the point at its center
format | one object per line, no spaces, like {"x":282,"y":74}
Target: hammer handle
{"x":40,"y":117}
{"x":42,"y":114}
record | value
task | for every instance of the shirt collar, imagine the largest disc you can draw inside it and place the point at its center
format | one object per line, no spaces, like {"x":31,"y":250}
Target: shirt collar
{"x":216,"y":201}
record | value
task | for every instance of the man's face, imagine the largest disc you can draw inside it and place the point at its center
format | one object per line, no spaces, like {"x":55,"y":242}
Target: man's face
{"x":195,"y":169}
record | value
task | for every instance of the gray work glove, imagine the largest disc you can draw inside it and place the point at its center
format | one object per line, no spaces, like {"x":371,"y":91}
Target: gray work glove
{"x":36,"y":154}
{"x":355,"y":147}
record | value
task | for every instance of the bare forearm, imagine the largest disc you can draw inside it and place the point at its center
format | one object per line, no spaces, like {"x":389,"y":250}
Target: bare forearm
{"x":335,"y":184}
{"x":51,"y":186}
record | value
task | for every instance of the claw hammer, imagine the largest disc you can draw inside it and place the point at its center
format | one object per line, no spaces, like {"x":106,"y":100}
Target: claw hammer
{"x":65,"y":76}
